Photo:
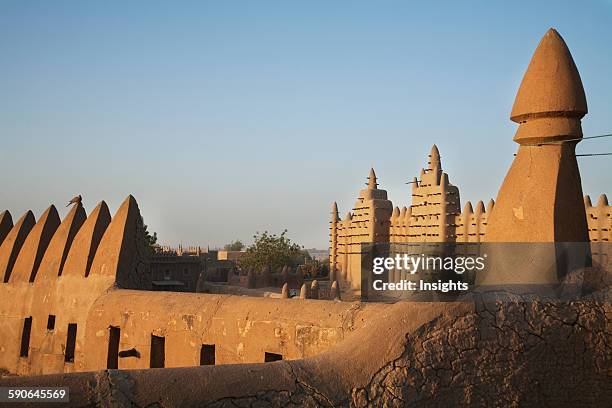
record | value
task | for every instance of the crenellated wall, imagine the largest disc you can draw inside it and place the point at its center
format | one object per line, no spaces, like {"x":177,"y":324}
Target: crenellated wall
{"x":59,"y":270}
{"x":599,"y":219}
{"x":470,"y":225}
{"x":399,"y":225}
{"x":66,"y":303}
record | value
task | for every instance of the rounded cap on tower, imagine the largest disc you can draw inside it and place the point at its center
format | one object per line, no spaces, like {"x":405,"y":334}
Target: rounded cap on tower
{"x":434,"y":158}
{"x":550,"y":101}
{"x":603,"y":201}
{"x":480,"y":208}
{"x":395,"y":214}
{"x":334,"y":212}
{"x":467,"y":208}
{"x":372,"y":183}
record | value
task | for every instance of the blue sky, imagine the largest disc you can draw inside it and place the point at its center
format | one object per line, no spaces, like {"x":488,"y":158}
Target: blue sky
{"x":226,"y":118}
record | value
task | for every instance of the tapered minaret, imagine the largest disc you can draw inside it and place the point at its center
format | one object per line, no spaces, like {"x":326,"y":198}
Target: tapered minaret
{"x":434,"y":158}
{"x":540,"y":200}
{"x":372,"y":183}
{"x":333,"y":241}
{"x":369,"y":223}
{"x":435,"y":202}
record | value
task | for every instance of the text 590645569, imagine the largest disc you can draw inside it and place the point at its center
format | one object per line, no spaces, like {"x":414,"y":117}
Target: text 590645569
{"x":34,"y":394}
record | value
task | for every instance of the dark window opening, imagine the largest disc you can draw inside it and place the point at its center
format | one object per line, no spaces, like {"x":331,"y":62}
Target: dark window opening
{"x":51,"y":322}
{"x":129,"y":353}
{"x":70,"y":343}
{"x":207,"y":354}
{"x":112,"y":358}
{"x":158,"y":352}
{"x":25,"y":337}
{"x":269,"y":357}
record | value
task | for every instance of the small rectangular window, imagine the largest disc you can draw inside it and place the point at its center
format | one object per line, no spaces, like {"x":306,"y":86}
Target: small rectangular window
{"x":25,"y":337}
{"x":51,"y":322}
{"x":207,"y":354}
{"x":70,"y":343}
{"x":269,"y":357}
{"x":158,"y":352}
{"x":112,"y":358}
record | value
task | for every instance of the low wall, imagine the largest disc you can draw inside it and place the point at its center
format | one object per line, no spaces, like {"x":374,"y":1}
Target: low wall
{"x":516,"y":353}
{"x":241,"y":329}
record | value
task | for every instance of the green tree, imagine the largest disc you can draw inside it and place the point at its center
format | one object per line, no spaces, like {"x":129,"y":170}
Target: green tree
{"x":236,"y":245}
{"x":313,"y":268}
{"x":273,"y":251}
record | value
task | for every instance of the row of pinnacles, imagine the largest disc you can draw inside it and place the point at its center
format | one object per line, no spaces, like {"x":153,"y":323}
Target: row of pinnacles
{"x":53,"y":271}
{"x":287,"y":279}
{"x":313,"y":291}
{"x":193,"y":250}
{"x":32,"y":251}
{"x":599,"y":219}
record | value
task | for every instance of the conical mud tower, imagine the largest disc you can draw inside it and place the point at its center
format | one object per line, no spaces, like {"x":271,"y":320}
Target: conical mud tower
{"x":540,"y":203}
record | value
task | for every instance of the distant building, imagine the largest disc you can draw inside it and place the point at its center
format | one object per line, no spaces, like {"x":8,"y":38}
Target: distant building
{"x":177,"y":273}
{"x":318,"y":254}
{"x":179,"y":269}
{"x":230,"y":255}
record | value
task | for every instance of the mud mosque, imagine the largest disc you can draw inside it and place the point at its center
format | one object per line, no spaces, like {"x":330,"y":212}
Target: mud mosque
{"x":434,"y":216}
{"x":70,"y":314}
